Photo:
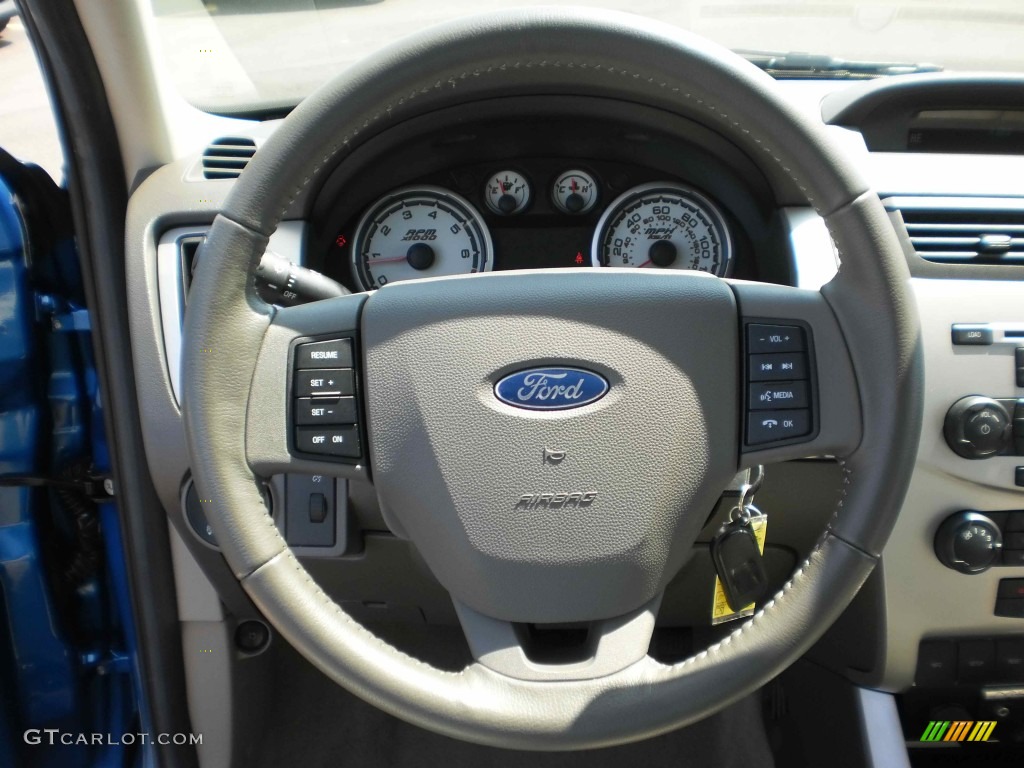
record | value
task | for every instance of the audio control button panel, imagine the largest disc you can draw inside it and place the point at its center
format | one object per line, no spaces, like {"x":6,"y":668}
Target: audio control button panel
{"x":780,"y":396}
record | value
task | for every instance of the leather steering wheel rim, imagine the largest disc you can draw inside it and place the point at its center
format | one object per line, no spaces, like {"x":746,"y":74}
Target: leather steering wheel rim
{"x":554,"y":51}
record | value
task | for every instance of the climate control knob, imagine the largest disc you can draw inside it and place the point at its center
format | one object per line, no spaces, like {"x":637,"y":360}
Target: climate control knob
{"x":978,"y":427}
{"x":968,"y":542}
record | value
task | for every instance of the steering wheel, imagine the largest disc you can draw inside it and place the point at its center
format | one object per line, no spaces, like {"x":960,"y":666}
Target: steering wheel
{"x":643,"y":465}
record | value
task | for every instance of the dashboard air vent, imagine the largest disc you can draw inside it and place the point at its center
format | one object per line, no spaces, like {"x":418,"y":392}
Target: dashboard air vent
{"x":226,"y":158}
{"x":949,"y":233}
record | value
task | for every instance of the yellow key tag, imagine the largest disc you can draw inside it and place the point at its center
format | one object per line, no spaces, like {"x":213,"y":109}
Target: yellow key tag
{"x":721,"y":612}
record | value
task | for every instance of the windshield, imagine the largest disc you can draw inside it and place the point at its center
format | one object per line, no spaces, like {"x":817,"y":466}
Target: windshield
{"x":246,"y":55}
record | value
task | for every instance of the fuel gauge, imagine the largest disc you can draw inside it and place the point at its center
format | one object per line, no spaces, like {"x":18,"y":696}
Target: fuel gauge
{"x":507,"y":193}
{"x":575,"y":192}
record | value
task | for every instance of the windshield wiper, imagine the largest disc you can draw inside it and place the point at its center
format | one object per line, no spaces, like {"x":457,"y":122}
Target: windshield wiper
{"x":795,"y":65}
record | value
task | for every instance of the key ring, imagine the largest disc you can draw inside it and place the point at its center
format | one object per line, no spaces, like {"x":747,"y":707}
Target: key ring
{"x":743,"y":514}
{"x":755,"y":477}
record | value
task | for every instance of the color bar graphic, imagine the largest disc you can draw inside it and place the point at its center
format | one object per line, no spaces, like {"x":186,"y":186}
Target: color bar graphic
{"x":958,"y":730}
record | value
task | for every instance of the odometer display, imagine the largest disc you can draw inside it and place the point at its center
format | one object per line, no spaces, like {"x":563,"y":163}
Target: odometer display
{"x":663,"y":226}
{"x":419,"y":232}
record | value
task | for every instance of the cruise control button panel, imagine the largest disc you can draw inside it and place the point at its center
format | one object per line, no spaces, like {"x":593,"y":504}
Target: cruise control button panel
{"x":325,"y":419}
{"x":779,"y":384}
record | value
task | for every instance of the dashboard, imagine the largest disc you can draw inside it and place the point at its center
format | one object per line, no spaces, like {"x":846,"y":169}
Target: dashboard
{"x":551,"y":182}
{"x":462,"y":196}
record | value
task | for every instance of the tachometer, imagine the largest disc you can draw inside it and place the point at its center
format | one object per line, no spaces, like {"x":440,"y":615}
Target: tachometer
{"x":663,"y":225}
{"x":419,"y":232}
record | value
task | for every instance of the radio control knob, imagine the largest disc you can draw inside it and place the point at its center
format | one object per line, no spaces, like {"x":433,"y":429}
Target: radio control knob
{"x":977,"y":427}
{"x":968,"y":542}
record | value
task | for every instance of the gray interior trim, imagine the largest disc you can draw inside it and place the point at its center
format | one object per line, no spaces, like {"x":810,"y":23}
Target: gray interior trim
{"x":815,"y":260}
{"x":1002,"y":692}
{"x":208,"y":647}
{"x":287,"y":241}
{"x":614,"y":645}
{"x":950,"y":203}
{"x":881,"y":729}
{"x":197,"y":599}
{"x":853,"y":104}
{"x":921,"y":173}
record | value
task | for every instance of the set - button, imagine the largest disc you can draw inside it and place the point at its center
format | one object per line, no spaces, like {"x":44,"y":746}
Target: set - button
{"x":778,"y":383}
{"x":324,"y":412}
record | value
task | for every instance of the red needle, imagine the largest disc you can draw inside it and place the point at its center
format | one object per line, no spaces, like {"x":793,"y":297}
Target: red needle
{"x":573,"y":186}
{"x":384,"y":261}
{"x":641,"y":266}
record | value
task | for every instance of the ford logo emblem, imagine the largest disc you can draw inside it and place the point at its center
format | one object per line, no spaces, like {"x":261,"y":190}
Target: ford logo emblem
{"x":551,"y":389}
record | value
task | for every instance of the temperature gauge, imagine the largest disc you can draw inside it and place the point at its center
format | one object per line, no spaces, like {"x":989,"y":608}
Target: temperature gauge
{"x":575,"y":192}
{"x":507,"y":193}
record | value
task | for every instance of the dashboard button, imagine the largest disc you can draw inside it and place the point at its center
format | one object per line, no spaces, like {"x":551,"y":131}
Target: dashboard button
{"x":1013,"y":557}
{"x":1011,"y":608}
{"x":325,"y":410}
{"x":1018,"y":476}
{"x":936,"y":664}
{"x":972,"y":334}
{"x":1018,"y":428}
{"x":778,"y":367}
{"x":328,"y":441}
{"x":335,"y":353}
{"x":769,"y":426}
{"x":1018,"y":359}
{"x":1010,"y":660}
{"x":1010,"y":588}
{"x":774,"y":338}
{"x":976,"y":661}
{"x":321,"y":382}
{"x":310,"y":510}
{"x":785,"y":394}
{"x":317,"y":507}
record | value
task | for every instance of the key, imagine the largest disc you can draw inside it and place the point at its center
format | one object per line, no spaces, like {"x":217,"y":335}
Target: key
{"x":736,"y":555}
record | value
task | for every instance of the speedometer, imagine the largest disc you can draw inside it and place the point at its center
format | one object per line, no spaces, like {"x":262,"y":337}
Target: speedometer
{"x":419,"y":232}
{"x":666,"y":226}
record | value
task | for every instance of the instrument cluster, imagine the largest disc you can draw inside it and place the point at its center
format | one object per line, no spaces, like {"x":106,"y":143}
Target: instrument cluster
{"x":534,"y":213}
